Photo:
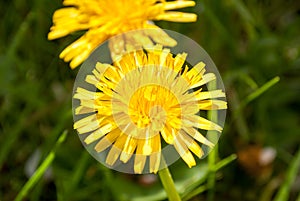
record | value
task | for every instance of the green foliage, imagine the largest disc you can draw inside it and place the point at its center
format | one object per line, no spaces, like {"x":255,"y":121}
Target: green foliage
{"x":253,"y":43}
{"x":291,"y":174}
{"x":41,"y":170}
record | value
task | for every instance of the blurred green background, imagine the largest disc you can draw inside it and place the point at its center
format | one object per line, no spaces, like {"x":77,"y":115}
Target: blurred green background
{"x":252,"y":42}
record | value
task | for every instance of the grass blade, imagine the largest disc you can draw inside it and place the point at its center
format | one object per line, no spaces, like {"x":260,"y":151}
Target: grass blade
{"x":195,"y":192}
{"x":224,"y":162}
{"x":283,"y":193}
{"x":41,"y":170}
{"x":259,"y":91}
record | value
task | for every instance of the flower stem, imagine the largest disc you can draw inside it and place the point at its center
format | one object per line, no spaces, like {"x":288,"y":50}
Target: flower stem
{"x":168,"y":184}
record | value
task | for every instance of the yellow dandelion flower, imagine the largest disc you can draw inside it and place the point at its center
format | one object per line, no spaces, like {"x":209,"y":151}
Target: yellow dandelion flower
{"x":106,"y":18}
{"x":145,"y":100}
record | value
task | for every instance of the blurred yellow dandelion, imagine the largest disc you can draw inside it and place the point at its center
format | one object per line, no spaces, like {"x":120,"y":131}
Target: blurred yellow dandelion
{"x":143,"y":99}
{"x":106,"y":18}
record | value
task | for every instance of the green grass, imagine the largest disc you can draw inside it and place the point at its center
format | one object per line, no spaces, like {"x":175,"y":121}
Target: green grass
{"x":41,"y":170}
{"x":253,"y":43}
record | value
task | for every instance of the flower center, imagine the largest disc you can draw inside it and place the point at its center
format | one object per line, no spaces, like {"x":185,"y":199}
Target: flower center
{"x":150,"y":105}
{"x":147,"y":101}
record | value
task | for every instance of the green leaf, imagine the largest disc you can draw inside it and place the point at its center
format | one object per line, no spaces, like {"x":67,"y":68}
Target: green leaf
{"x":41,"y":169}
{"x":283,"y":193}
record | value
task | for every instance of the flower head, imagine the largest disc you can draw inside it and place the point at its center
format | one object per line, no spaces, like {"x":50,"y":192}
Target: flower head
{"x":144,"y":101}
{"x":106,"y":18}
